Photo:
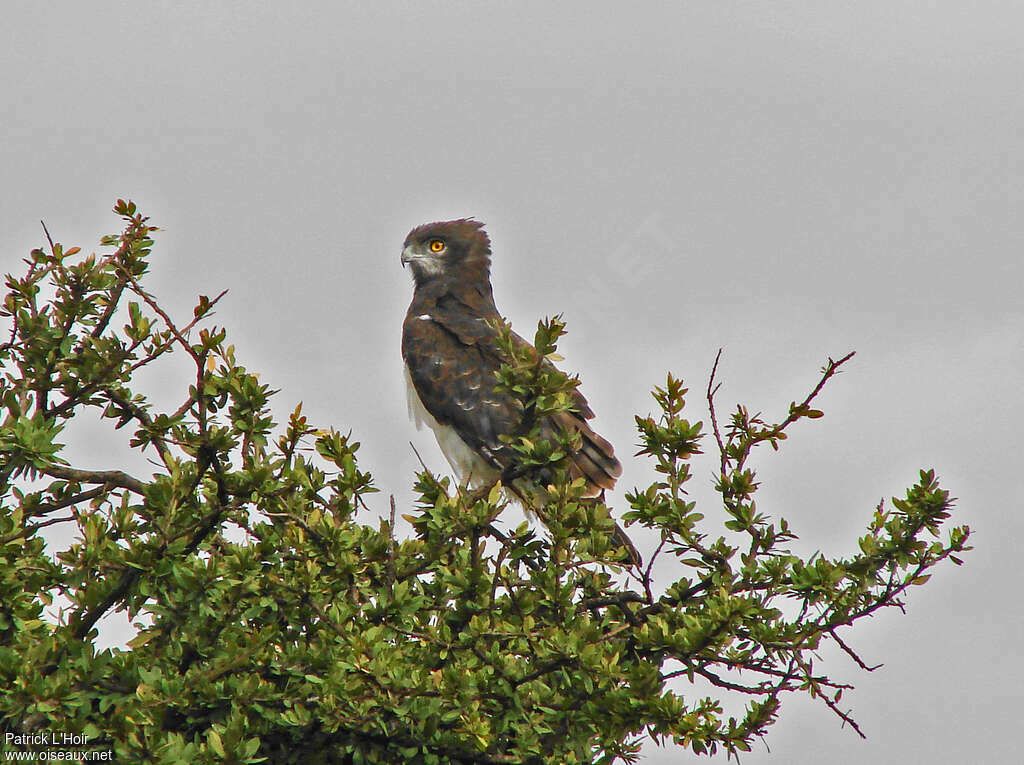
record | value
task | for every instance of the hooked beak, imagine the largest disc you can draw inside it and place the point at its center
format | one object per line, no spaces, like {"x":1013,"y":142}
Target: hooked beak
{"x":424,"y":264}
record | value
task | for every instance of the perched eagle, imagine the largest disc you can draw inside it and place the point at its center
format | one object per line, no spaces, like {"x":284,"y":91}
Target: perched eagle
{"x":451,"y":361}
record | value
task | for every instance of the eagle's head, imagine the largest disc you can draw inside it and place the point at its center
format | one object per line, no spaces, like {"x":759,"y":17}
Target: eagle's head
{"x":451,"y":248}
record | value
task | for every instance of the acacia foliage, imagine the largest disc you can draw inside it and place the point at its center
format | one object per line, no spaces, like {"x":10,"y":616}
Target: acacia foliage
{"x":279,"y":623}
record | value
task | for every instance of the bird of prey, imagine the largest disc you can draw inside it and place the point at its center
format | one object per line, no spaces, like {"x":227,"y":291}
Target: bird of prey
{"x":451,"y":360}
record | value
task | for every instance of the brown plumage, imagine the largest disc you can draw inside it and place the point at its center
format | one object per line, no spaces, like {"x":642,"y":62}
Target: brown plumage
{"x":451,"y":360}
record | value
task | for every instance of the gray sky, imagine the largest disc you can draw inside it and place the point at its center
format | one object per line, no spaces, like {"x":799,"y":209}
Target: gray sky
{"x":788,"y":181}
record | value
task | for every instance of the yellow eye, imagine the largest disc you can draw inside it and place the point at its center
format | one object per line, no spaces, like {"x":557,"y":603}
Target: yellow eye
{"x":436,"y":245}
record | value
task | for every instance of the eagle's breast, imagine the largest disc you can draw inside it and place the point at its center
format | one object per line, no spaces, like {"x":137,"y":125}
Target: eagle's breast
{"x":469,"y":466}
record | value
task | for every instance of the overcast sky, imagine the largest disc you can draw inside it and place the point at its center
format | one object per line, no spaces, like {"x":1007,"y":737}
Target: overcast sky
{"x":787,"y":181}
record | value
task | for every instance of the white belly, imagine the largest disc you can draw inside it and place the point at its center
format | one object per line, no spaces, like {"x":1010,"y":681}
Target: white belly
{"x":470,"y":468}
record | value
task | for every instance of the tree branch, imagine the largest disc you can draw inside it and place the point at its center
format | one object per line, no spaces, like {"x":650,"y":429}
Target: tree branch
{"x":116,"y":478}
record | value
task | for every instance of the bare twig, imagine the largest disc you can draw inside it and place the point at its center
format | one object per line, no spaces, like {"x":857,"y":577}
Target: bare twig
{"x":418,"y":457}
{"x":851,"y":653}
{"x":712,"y":390}
{"x":49,"y":238}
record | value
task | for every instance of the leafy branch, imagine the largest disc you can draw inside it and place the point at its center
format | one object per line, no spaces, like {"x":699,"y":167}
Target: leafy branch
{"x":278,"y":620}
